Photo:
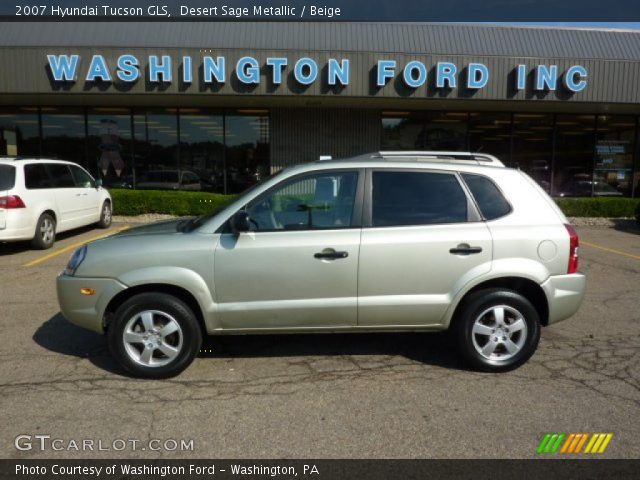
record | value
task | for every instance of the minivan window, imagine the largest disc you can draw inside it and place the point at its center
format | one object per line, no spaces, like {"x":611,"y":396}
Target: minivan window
{"x":324,"y":200}
{"x":7,"y":177}
{"x":36,"y":176}
{"x":82,"y":179}
{"x":490,"y":200}
{"x":60,"y":175}
{"x":417,"y":198}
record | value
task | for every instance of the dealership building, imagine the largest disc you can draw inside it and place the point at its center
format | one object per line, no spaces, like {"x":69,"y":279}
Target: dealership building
{"x":217,"y":106}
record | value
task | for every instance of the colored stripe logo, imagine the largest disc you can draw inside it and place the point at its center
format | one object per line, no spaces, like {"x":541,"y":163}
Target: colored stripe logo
{"x":573,"y":443}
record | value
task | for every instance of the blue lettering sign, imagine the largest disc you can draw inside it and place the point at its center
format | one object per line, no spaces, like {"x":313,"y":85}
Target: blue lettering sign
{"x":248,"y":70}
{"x":570,"y":78}
{"x":187,"y":74}
{"x":98,"y":70}
{"x":521,"y":77}
{"x":546,"y":77}
{"x":478,"y":75}
{"x":213,"y":69}
{"x":409,"y":77}
{"x":277,"y":64}
{"x":338,"y":72}
{"x":311,"y":66}
{"x":128,"y":68}
{"x":446,"y":75}
{"x":157,"y":69}
{"x":63,"y":67}
{"x":386,"y":69}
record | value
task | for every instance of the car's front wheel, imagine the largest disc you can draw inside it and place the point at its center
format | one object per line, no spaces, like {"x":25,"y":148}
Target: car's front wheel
{"x":106,"y":215}
{"x":154,"y":335}
{"x":497,"y":330}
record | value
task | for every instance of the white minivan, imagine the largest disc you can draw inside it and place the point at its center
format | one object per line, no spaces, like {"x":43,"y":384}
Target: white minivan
{"x":41,"y":197}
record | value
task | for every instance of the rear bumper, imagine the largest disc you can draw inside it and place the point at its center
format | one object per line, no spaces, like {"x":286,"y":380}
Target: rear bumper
{"x":86,"y":311}
{"x":564,"y":295}
{"x":17,"y":225}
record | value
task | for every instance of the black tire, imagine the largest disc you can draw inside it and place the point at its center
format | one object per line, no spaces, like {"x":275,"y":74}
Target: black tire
{"x":45,"y":234}
{"x":163,"y":304}
{"x":472,"y":345}
{"x":106,"y":215}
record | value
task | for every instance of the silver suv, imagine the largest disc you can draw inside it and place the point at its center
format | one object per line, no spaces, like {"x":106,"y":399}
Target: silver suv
{"x":392,"y":241}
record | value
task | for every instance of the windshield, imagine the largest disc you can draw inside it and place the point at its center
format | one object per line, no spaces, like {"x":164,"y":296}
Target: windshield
{"x":7,"y":177}
{"x":202,"y":219}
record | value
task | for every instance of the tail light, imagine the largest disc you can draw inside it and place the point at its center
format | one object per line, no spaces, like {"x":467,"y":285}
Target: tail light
{"x":11,"y":201}
{"x":574,"y":243}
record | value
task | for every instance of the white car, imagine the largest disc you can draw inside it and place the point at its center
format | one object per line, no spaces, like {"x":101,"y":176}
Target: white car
{"x":40,"y":197}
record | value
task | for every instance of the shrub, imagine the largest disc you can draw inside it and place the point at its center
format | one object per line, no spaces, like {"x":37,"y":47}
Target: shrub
{"x":138,"y":202}
{"x":612,"y":207}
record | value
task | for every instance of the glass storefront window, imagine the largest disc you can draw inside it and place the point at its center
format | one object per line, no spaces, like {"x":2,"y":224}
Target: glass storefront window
{"x":491,"y":133}
{"x":19,"y":132}
{"x":446,"y":131}
{"x":156,"y":149}
{"x":202,"y":147}
{"x":533,"y":146}
{"x":109,"y":146}
{"x":403,"y":131}
{"x":613,"y":167}
{"x":64,"y":134}
{"x":573,"y":166}
{"x":247,"y":148}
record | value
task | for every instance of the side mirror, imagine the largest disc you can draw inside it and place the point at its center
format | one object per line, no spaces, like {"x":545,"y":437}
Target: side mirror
{"x":240,"y":222}
{"x":99,"y":183}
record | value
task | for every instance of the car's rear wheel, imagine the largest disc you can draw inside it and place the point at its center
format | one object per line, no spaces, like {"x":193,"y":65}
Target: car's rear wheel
{"x":497,"y":330}
{"x":154,"y":335}
{"x":106,"y":215}
{"x":45,"y":235}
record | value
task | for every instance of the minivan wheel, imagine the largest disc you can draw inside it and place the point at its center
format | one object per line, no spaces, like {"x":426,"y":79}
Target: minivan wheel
{"x":105,"y":215}
{"x":497,"y":330}
{"x":154,"y":335}
{"x":45,"y":235}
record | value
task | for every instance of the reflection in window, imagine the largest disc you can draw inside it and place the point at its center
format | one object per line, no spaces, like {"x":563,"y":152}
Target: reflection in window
{"x":573,"y":169}
{"x":19,"y":132}
{"x":247,"y":148}
{"x":156,"y":147}
{"x":402,"y":131}
{"x":614,"y":155}
{"x":533,"y":146}
{"x":446,"y":131}
{"x":109,"y":146}
{"x":490,"y":133}
{"x":202,"y":148}
{"x":63,"y":134}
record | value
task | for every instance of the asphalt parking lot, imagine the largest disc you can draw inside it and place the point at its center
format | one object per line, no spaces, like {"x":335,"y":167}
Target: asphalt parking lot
{"x":340,"y":396}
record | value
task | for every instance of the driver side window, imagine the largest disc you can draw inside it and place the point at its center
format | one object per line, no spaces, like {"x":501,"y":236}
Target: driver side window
{"x":318,"y":201}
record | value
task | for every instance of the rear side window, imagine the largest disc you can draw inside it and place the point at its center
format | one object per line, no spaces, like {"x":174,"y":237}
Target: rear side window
{"x":7,"y":177}
{"x":488,"y":197}
{"x":417,"y":198}
{"x":60,"y":175}
{"x":36,"y":176}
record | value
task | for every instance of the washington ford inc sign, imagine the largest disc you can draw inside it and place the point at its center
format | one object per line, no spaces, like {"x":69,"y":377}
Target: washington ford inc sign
{"x":306,"y":71}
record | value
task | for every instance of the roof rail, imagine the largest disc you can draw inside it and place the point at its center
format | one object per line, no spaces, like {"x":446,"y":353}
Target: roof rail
{"x":443,"y":156}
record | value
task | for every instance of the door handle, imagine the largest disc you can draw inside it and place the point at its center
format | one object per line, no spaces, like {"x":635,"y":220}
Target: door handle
{"x":330,"y":255}
{"x":465,"y":249}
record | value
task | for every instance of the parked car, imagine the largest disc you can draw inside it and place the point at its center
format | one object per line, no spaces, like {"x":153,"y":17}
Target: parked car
{"x":383,"y":242}
{"x":40,"y":198}
{"x":169,"y":180}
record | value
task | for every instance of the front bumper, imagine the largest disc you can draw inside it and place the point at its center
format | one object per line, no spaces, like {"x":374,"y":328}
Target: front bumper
{"x":564,"y":295}
{"x":86,"y":311}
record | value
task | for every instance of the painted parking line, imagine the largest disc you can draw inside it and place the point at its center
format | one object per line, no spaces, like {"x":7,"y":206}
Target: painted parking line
{"x":610,"y":250}
{"x":73,"y":246}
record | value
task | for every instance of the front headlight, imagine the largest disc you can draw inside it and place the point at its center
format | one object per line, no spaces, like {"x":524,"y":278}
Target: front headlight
{"x":75,"y":261}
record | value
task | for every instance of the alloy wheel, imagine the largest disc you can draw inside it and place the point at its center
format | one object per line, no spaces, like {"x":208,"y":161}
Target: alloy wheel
{"x":499,"y":333}
{"x":152,"y":338}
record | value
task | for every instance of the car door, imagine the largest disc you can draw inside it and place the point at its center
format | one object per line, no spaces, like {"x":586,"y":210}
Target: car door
{"x":422,"y":240}
{"x":88,"y":195}
{"x":298,"y":266}
{"x":67,"y":196}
